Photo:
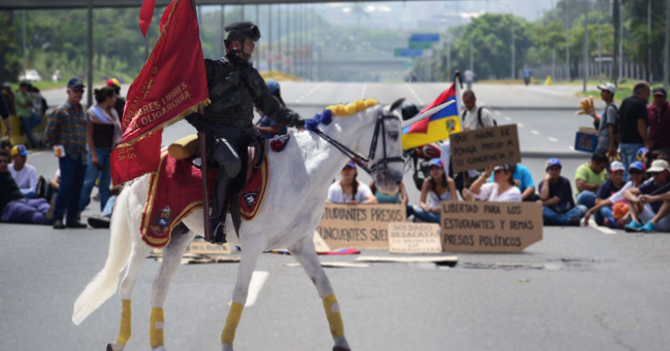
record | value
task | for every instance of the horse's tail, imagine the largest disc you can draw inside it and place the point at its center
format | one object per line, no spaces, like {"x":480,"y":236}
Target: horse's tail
{"x":104,"y":284}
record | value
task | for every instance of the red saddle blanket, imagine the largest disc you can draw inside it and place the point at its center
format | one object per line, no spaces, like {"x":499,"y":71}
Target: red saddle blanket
{"x":175,"y":191}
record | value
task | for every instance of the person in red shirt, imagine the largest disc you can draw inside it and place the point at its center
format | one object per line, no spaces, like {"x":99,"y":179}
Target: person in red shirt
{"x":658,"y":118}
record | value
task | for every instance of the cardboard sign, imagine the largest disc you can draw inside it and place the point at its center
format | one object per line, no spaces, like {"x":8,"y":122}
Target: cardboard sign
{"x":490,"y":226}
{"x":414,"y":238}
{"x":359,"y":226}
{"x":479,"y":148}
{"x":202,"y":247}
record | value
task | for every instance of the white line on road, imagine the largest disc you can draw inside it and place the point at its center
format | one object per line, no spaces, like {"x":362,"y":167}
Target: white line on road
{"x":520,"y":125}
{"x":553,"y":139}
{"x":535,"y":132}
{"x":508,"y":119}
{"x":258,"y":278}
{"x":300,"y":99}
{"x":365,"y":87}
{"x":416,"y":96}
{"x":603,"y":230}
{"x":571,"y":148}
{"x":498,"y":113}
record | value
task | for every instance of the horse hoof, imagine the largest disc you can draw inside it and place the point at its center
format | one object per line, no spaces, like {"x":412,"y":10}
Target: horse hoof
{"x":227,"y":347}
{"x":109,"y":347}
{"x":115,"y":347}
{"x":339,"y":348}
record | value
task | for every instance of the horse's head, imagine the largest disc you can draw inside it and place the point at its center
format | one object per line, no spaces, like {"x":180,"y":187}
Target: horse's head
{"x":386,"y":163}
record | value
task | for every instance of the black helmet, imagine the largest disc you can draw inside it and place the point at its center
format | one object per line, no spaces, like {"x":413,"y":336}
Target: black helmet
{"x":242,"y":30}
{"x":409,"y":110}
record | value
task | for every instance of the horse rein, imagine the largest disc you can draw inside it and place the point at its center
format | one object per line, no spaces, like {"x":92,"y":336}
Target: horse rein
{"x":360,"y":160}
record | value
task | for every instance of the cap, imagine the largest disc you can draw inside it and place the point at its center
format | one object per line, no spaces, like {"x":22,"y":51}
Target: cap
{"x":273,"y":85}
{"x":75,"y":82}
{"x":661,"y":92}
{"x":20,"y":150}
{"x":608,"y":86}
{"x":658,"y":166}
{"x":617,"y":166}
{"x":113,"y":83}
{"x":242,"y":30}
{"x":639,"y":155}
{"x":350,"y":164}
{"x":504,"y":167}
{"x":24,"y":83}
{"x":553,"y":162}
{"x":436,"y":162}
{"x":637,"y":165}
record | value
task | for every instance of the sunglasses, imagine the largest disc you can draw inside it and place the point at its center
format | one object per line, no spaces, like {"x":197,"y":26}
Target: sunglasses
{"x":4,"y":161}
{"x":78,"y":90}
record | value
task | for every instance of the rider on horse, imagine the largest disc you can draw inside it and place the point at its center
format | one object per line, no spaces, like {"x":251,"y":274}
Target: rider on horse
{"x":235,"y":87}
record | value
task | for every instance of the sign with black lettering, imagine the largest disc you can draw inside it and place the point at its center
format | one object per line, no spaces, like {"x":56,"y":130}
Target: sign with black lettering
{"x":359,"y":226}
{"x":476,"y":149}
{"x":414,"y":238}
{"x":490,"y":226}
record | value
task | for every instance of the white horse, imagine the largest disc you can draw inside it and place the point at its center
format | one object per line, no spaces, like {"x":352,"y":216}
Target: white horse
{"x":292,"y":209}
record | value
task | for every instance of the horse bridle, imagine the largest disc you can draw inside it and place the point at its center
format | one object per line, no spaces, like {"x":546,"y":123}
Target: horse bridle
{"x":362,"y":161}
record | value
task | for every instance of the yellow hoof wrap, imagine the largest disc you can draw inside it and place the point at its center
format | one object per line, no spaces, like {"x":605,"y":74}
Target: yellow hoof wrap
{"x":124,"y":332}
{"x":334,"y":317}
{"x":156,"y":326}
{"x":234,"y":315}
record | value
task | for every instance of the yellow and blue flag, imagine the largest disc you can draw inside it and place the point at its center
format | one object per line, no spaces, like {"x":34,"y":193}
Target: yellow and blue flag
{"x":436,"y":127}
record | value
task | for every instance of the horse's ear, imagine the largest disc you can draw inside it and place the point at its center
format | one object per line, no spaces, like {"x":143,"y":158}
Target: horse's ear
{"x":397,"y":104}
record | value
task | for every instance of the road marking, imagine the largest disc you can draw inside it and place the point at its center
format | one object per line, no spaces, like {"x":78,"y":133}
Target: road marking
{"x":365,"y":87}
{"x":258,"y":278}
{"x":571,"y":148}
{"x":520,"y":125}
{"x":535,"y":132}
{"x":416,"y":96}
{"x":508,"y":119}
{"x":498,"y":113}
{"x":553,"y":139}
{"x":300,"y":99}
{"x":603,"y":230}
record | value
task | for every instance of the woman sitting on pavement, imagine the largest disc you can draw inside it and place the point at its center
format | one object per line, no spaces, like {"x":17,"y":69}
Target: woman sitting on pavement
{"x":435,"y":189}
{"x":399,"y":198}
{"x":349,"y":190}
{"x":502,"y":189}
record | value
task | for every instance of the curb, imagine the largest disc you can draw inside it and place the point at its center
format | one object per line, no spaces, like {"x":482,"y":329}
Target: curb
{"x":550,"y":154}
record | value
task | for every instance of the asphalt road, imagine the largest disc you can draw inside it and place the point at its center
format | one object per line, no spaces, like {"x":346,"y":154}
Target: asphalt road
{"x":579,"y":288}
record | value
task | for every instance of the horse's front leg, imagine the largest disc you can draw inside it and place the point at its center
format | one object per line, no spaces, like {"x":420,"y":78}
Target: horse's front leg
{"x":250,"y":255}
{"x":172,"y":254}
{"x":305,"y":253}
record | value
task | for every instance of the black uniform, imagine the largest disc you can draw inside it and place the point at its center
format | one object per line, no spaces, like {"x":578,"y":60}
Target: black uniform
{"x":235,"y":87}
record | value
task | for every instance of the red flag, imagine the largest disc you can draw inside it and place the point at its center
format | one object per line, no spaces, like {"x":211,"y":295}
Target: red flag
{"x":422,"y":126}
{"x":171,"y":85}
{"x":146,"y":13}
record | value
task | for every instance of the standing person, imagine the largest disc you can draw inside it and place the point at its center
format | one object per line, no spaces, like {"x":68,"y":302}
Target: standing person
{"x":267,"y":127}
{"x":502,"y":189}
{"x":558,"y":206}
{"x":469,"y":78}
{"x":606,"y":123}
{"x":24,"y":174}
{"x":4,"y":113}
{"x":527,"y":74}
{"x":68,"y":128}
{"x":650,"y":203}
{"x":474,"y":117}
{"x":349,"y":190}
{"x":120,"y":103}
{"x":102,"y":134}
{"x":435,"y":189}
{"x":658,"y":117}
{"x":24,"y":110}
{"x":9,"y":97}
{"x":633,"y":123}
{"x":589,"y":177}
{"x":14,"y":207}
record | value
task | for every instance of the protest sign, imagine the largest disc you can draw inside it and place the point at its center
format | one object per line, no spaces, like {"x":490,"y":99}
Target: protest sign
{"x":414,"y":238}
{"x":490,"y":226}
{"x":360,"y":226}
{"x":482,"y":147}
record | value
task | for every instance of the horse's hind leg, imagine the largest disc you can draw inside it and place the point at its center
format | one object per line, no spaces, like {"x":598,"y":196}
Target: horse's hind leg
{"x":181,"y":237}
{"x":305,"y":253}
{"x":139,"y":253}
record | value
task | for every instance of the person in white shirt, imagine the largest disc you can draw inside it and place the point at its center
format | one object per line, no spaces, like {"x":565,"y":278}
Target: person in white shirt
{"x":469,"y":78}
{"x":503,"y":188}
{"x":474,"y":117}
{"x":349,"y":190}
{"x":24,"y":174}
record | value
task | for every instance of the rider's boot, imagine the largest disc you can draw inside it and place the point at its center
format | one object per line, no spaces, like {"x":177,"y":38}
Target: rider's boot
{"x":218,"y":218}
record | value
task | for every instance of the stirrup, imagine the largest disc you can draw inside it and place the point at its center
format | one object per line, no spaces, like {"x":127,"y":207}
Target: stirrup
{"x":218,"y":236}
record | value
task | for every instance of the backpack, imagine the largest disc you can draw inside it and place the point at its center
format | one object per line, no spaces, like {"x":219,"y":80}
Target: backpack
{"x":479,"y":117}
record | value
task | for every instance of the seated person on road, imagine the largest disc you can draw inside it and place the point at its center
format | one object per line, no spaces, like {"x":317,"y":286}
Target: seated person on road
{"x":349,"y":190}
{"x":525,"y":183}
{"x":650,"y":203}
{"x":399,"y":198}
{"x":589,"y":177}
{"x":502,"y":189}
{"x":610,"y":187}
{"x":14,"y":207}
{"x":435,"y":189}
{"x":235,"y":87}
{"x":605,"y":208}
{"x":267,"y":127}
{"x":24,"y":174}
{"x":558,"y":206}
{"x":105,"y":217}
